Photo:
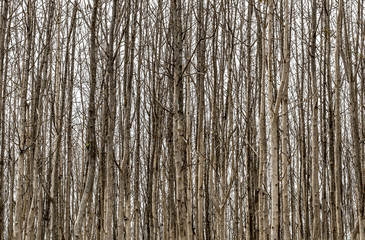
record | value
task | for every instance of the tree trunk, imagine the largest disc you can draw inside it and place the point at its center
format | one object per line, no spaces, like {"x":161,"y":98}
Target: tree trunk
{"x":137,"y":204}
{"x":200,"y":120}
{"x":178,"y":120}
{"x":338,"y":164}
{"x":90,"y":134}
{"x":170,"y":148}
{"x":111,"y":118}
{"x":3,"y":31}
{"x":262,"y":142}
{"x":316,"y":233}
{"x":250,"y":226}
{"x":20,"y":204}
{"x":274,"y":121}
{"x":285,"y":134}
{"x":68,"y":190}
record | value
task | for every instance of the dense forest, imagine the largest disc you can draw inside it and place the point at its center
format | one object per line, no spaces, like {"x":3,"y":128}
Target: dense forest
{"x":182,"y":119}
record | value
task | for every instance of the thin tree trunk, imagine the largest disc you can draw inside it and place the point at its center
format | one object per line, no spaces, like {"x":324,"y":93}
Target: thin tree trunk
{"x":137,"y":204}
{"x":90,"y":134}
{"x":250,"y":226}
{"x":170,"y":143}
{"x":338,"y":164}
{"x":3,"y":31}
{"x":111,"y":118}
{"x":11,"y":166}
{"x":200,"y":120}
{"x":316,"y":233}
{"x":324,"y":126}
{"x":285,"y":135}
{"x":69,"y":125}
{"x":354,"y":120}
{"x":172,"y":169}
{"x":188,"y":136}
{"x":262,"y":142}
{"x":128,"y":120}
{"x":178,"y":120}
{"x":124,"y":132}
{"x":274,"y":121}
{"x":20,"y":204}
{"x":37,"y":116}
{"x":331,"y":147}
{"x":60,"y":90}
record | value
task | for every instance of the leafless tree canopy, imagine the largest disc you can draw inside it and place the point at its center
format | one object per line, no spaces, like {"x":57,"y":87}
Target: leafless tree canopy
{"x":182,"y":119}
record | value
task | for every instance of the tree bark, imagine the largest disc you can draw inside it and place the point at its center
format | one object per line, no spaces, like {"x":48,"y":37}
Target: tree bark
{"x":274,"y":121}
{"x":111,"y":118}
{"x":68,"y":190}
{"x":316,"y":233}
{"x":200,"y":120}
{"x":250,"y":226}
{"x":90,"y":134}
{"x":285,"y":134}
{"x":338,"y":164}
{"x":262,"y":142}
{"x":3,"y":30}
{"x":178,"y":120}
{"x":350,"y":68}
{"x":20,"y":204}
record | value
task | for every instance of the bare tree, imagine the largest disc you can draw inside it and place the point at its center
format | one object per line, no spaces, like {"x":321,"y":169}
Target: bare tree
{"x":200,"y":121}
{"x":338,"y":165}
{"x":20,"y":205}
{"x":90,"y":134}
{"x":178,"y":119}
{"x":285,"y":152}
{"x":3,"y":30}
{"x":315,"y":145}
{"x":194,"y":119}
